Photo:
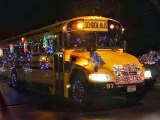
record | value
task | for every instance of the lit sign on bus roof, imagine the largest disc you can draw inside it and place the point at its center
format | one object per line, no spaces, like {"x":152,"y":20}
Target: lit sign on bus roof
{"x":95,"y":25}
{"x":88,"y":25}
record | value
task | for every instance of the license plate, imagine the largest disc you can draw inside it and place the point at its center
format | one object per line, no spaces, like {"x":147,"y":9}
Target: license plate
{"x":131,"y":88}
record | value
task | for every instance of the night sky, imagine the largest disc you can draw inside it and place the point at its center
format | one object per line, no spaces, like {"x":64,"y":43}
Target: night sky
{"x":140,"y":18}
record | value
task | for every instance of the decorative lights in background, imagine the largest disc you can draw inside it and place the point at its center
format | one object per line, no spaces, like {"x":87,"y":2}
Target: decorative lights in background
{"x":150,"y":58}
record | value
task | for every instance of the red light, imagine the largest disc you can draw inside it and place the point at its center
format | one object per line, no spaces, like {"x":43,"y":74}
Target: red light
{"x":117,"y":27}
{"x":74,"y":25}
{"x":25,"y":46}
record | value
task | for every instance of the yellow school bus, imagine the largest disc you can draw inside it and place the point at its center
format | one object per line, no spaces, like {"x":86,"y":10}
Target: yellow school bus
{"x":78,"y":58}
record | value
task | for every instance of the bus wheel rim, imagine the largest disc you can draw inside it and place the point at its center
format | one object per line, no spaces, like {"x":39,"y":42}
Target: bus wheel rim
{"x":78,"y":91}
{"x":14,"y":80}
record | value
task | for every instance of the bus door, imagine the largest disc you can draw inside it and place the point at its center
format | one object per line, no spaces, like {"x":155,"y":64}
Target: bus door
{"x":58,"y":64}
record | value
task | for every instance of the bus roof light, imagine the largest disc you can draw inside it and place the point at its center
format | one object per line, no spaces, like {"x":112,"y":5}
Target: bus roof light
{"x":64,"y":28}
{"x":111,"y":26}
{"x":117,"y":27}
{"x":74,"y":25}
{"x":123,"y":29}
{"x":23,"y":39}
{"x":80,"y":25}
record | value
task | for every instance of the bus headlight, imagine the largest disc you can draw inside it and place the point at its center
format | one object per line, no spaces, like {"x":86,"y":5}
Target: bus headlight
{"x":147,"y":74}
{"x":99,"y":77}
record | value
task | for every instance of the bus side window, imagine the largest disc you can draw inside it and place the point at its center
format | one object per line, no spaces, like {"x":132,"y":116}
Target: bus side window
{"x":47,"y":45}
{"x":16,"y":50}
{"x":67,"y":40}
{"x":5,"y":51}
{"x":57,"y":42}
{"x":55,"y":45}
{"x":35,"y":48}
{"x":29,"y":47}
{"x":20,"y":52}
{"x":42,"y":49}
{"x":60,"y":41}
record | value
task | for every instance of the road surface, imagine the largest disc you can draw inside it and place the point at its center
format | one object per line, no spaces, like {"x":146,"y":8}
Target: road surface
{"x":32,"y":106}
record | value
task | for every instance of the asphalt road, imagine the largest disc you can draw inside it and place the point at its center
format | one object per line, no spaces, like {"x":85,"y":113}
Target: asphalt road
{"x":32,"y":106}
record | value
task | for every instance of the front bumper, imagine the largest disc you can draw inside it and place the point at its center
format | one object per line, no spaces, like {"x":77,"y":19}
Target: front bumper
{"x":102,"y":90}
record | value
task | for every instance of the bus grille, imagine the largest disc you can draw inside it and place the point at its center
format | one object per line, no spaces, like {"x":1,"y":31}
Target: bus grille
{"x":127,"y":74}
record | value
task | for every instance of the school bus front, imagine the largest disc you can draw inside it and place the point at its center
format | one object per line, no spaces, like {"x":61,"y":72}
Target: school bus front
{"x":98,"y":64}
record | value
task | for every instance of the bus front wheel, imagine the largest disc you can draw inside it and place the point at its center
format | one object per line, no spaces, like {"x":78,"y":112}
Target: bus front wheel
{"x":80,"y":94}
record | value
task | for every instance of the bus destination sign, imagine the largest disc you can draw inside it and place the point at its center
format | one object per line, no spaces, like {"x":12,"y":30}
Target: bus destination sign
{"x":95,"y":25}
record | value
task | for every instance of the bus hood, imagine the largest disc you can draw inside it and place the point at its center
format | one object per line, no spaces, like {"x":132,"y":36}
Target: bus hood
{"x":112,"y":58}
{"x":109,"y":57}
{"x":115,"y":64}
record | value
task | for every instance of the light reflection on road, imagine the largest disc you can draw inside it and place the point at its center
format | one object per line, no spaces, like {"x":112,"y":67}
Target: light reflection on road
{"x":30,"y":106}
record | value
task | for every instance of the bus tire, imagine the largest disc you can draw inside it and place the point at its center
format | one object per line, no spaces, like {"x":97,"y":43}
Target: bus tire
{"x":79,"y":93}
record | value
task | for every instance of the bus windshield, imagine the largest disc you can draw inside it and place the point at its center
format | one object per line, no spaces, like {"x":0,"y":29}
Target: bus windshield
{"x":77,"y":39}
